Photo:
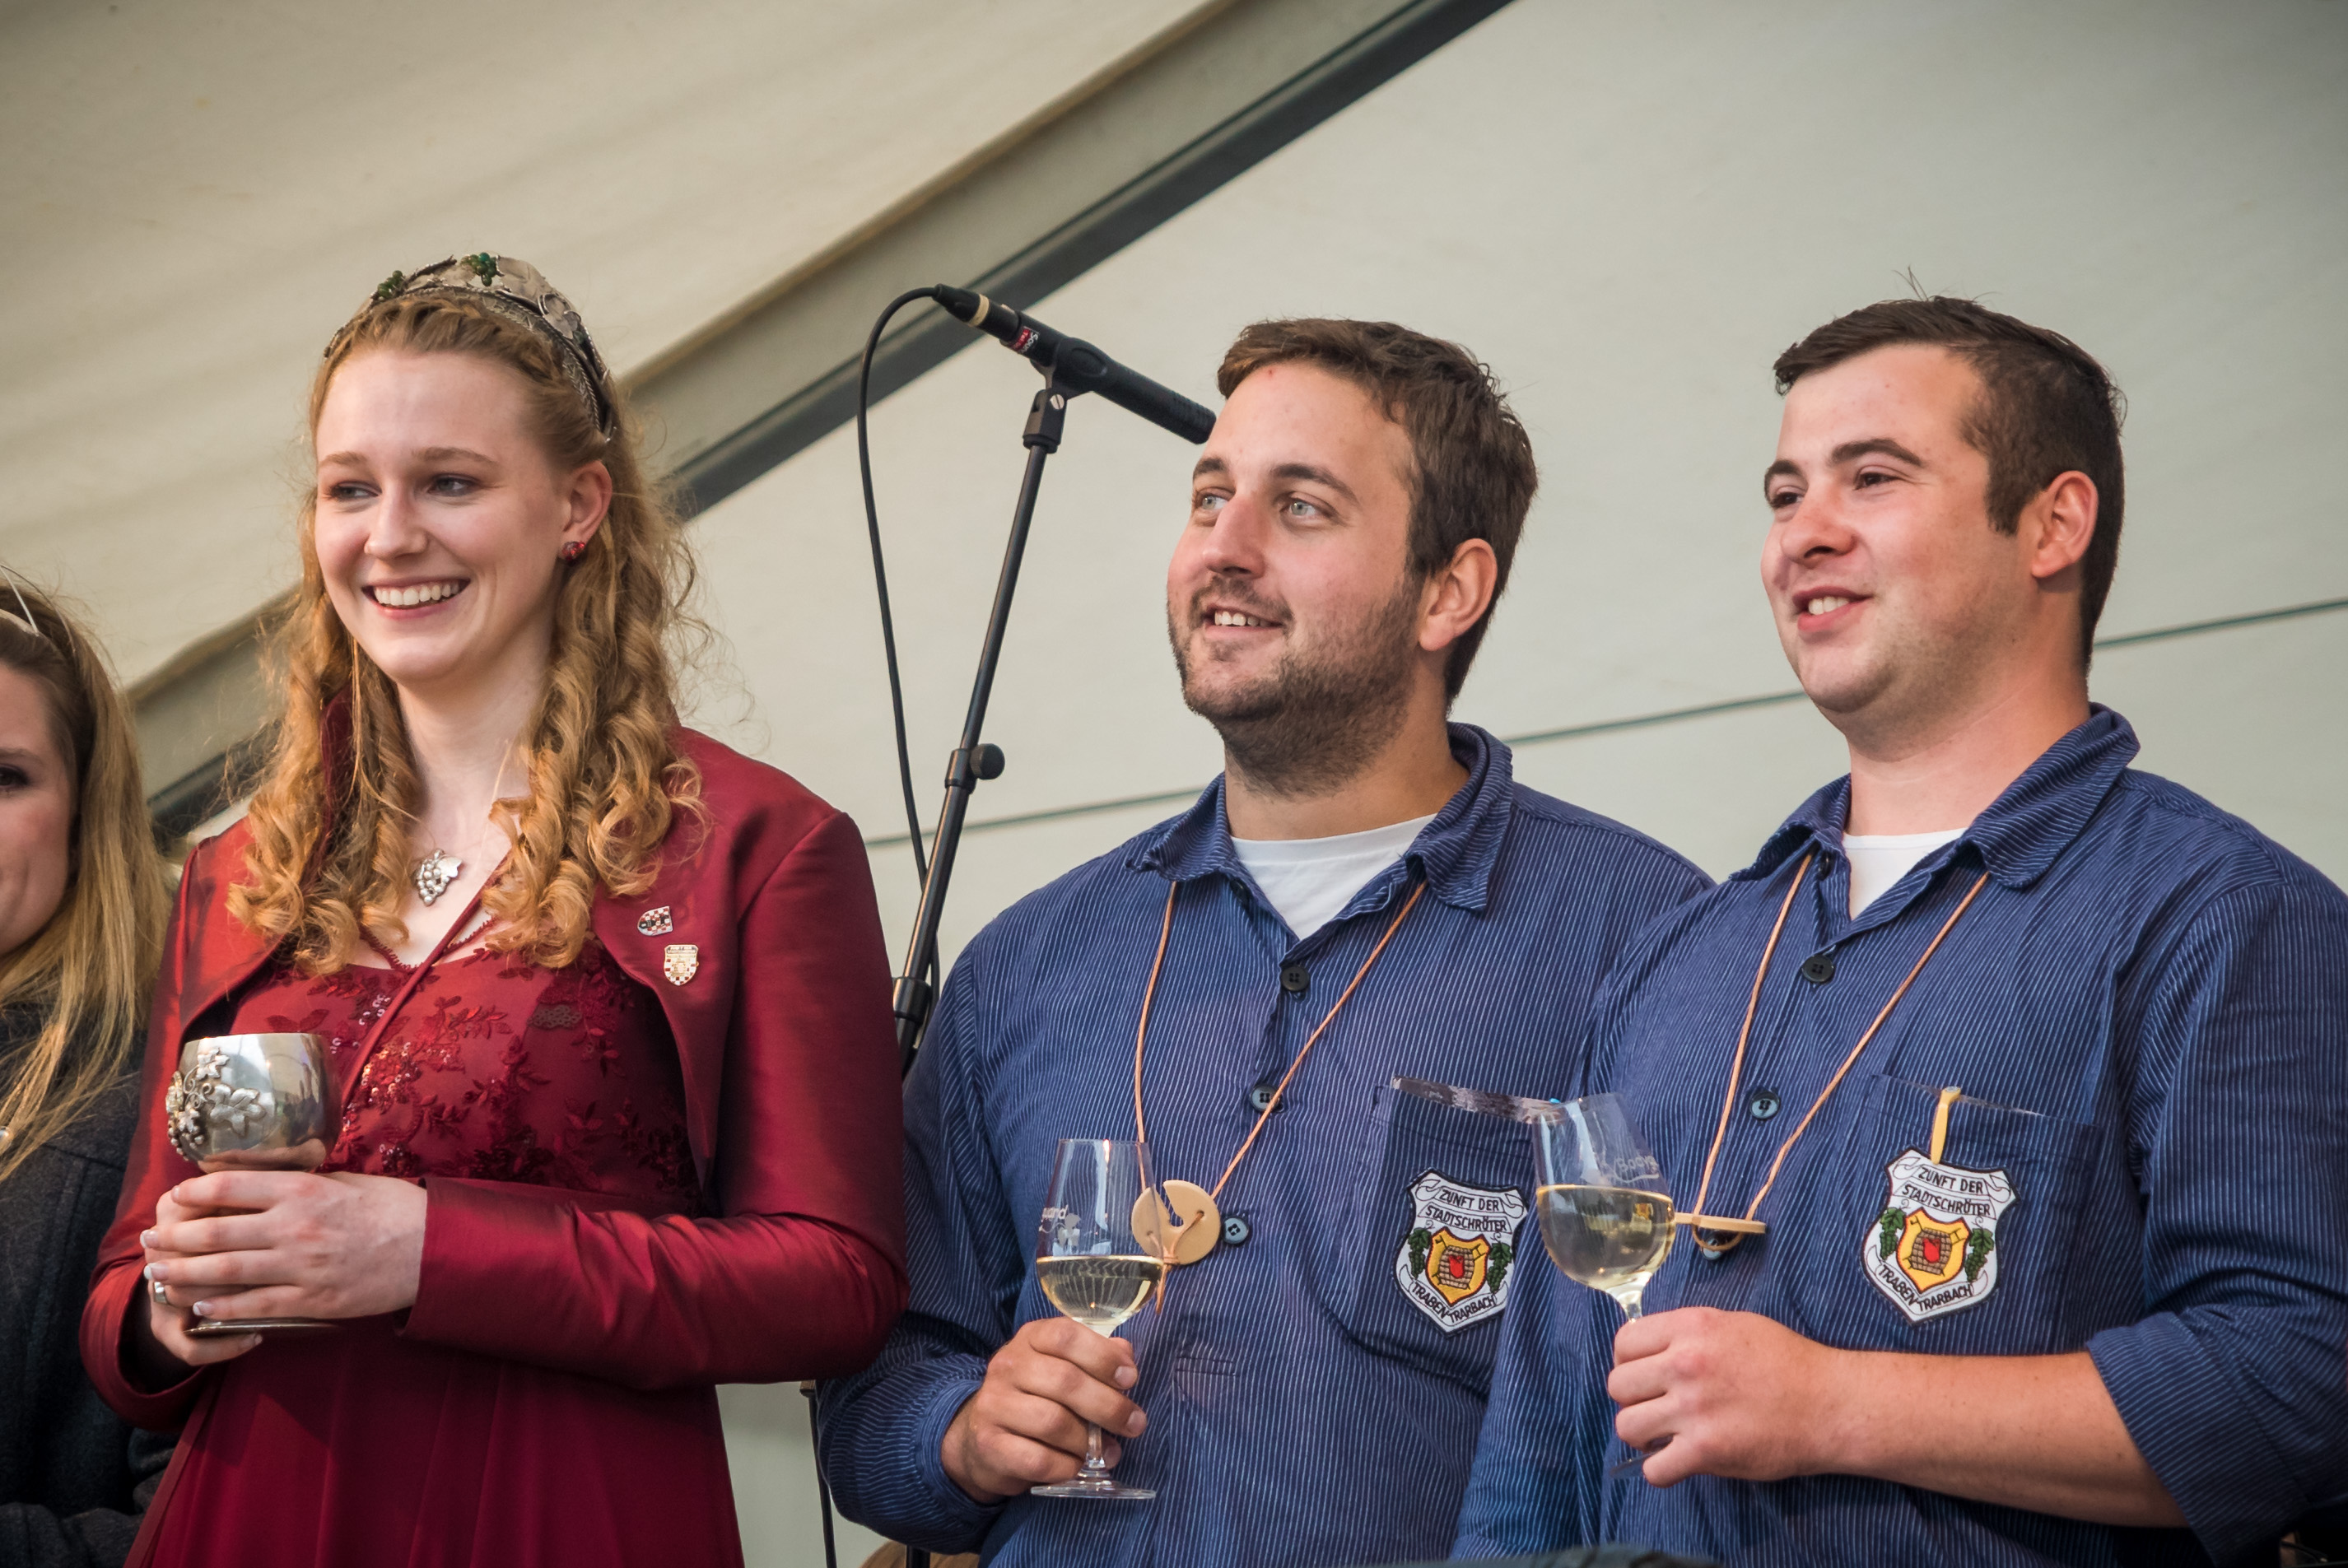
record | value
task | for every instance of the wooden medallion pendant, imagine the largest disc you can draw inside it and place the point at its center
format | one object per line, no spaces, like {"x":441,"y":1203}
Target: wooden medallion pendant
{"x":1197,"y":1222}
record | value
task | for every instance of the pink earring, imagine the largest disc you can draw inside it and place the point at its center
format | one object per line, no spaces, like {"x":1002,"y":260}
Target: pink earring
{"x":574,"y":550}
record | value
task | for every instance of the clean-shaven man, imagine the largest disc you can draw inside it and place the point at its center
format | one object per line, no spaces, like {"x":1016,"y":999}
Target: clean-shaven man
{"x":1363,"y":909}
{"x":2006,"y":1085}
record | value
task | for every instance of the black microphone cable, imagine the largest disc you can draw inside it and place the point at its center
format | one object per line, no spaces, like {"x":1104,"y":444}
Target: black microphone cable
{"x":881,"y":573}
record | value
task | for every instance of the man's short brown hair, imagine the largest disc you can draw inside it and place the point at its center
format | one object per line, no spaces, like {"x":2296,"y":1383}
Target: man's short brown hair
{"x":2046,"y":409}
{"x":1473,"y":464}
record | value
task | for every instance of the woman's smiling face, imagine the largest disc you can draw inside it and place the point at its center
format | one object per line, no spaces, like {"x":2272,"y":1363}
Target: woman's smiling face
{"x":440,"y":520}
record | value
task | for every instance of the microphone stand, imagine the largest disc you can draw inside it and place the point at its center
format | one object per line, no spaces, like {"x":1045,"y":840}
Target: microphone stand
{"x":973,"y":759}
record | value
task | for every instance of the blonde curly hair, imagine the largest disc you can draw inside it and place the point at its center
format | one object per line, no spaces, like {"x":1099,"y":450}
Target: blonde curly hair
{"x":606,"y":779}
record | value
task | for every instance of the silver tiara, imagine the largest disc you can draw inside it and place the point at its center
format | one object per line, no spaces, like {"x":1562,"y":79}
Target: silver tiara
{"x":25,"y":620}
{"x":520,"y":292}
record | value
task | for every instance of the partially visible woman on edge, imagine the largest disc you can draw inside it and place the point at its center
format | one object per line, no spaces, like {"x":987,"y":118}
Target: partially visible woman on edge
{"x":606,"y":1006}
{"x":81,"y":921}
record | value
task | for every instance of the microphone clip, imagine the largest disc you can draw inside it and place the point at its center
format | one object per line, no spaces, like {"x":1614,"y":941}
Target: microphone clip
{"x":1047,"y":416}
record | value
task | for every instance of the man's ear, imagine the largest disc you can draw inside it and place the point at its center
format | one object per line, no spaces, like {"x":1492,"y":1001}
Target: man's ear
{"x":2059,"y":524}
{"x":1457,"y":594}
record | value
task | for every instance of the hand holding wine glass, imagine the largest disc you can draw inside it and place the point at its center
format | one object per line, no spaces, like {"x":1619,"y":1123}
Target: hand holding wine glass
{"x":1094,"y":1269}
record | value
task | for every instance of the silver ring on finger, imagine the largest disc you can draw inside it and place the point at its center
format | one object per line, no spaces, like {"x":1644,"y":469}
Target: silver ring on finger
{"x":163,"y":1296}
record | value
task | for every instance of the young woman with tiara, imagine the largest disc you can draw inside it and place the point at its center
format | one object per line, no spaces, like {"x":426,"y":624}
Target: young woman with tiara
{"x":605,"y":1005}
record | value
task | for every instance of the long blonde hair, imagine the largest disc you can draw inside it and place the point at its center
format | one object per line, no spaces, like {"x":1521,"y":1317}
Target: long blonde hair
{"x":606,"y":781}
{"x":92,"y":966}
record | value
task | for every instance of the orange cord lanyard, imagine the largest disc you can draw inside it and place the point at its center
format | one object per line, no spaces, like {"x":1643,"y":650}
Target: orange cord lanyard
{"x":1141,"y":1034}
{"x":1717,"y":1234}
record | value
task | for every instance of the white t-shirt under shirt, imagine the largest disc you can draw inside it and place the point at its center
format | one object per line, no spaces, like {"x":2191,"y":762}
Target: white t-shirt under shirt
{"x":1308,"y":880}
{"x":1879,"y":859}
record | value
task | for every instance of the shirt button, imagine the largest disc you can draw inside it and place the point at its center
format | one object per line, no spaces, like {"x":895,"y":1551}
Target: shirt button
{"x":1295,"y":979}
{"x":1819,"y":969}
{"x":1260,"y":1096}
{"x":1763,"y":1105}
{"x":1236,"y":1230}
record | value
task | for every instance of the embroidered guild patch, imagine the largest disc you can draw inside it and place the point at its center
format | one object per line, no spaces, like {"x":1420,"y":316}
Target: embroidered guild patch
{"x":680,"y":961}
{"x":656,"y":922}
{"x":1933,"y":1249}
{"x":1459,"y":1251}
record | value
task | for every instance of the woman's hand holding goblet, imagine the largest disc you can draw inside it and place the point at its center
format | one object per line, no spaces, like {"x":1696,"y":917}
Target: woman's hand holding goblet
{"x":158,"y":1340}
{"x":281,"y":1244}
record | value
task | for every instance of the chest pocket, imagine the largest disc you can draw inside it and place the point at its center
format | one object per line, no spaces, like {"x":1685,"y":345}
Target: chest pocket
{"x":1432,"y":1234}
{"x":1974,"y":1257}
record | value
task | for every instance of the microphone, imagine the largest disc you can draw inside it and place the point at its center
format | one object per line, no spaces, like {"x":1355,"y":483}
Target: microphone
{"x":1076,"y":365}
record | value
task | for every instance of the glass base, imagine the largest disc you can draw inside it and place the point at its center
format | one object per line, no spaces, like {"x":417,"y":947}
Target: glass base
{"x":213,"y":1328}
{"x":1106,"y":1490}
{"x":1636,"y":1464}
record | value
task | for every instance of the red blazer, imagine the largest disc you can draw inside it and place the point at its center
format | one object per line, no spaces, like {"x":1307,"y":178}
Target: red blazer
{"x":790,"y":1060}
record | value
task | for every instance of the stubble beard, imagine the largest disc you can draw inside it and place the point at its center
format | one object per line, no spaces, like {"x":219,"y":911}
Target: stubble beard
{"x":1323,"y":715}
{"x":1898,"y":694}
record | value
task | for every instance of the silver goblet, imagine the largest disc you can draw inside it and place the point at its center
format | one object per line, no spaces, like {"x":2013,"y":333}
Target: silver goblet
{"x":252,"y":1102}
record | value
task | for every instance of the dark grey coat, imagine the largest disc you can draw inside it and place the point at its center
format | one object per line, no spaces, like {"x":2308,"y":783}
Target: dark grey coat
{"x":73,"y":1477}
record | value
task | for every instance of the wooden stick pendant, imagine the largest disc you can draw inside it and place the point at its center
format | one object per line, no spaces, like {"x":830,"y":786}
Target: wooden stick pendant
{"x":1197,"y":1222}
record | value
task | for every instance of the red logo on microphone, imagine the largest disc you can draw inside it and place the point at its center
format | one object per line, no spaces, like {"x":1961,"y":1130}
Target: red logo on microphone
{"x":1027,"y":335}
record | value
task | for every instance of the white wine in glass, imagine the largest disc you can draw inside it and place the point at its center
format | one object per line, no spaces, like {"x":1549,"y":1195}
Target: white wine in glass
{"x":1606,"y":1217}
{"x":1608,"y":1238}
{"x":1100,"y":1292}
{"x":1095,"y":1270}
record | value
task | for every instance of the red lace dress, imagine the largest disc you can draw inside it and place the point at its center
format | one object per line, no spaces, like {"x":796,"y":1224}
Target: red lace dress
{"x":361,"y":1446}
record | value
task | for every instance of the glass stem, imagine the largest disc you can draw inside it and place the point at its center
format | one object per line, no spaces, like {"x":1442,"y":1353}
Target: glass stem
{"x":1095,"y":1470}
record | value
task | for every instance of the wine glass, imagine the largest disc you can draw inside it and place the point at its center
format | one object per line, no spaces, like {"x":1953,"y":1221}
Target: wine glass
{"x":1605,"y":1216}
{"x":252,"y":1102}
{"x":1094,"y":1269}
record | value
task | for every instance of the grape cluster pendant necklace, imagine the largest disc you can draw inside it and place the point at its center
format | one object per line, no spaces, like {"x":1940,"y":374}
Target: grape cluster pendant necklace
{"x":434,"y":873}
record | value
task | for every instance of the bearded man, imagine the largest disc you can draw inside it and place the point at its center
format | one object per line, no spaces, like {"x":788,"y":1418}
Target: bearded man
{"x":1365,"y":908}
{"x":2005,"y":1086}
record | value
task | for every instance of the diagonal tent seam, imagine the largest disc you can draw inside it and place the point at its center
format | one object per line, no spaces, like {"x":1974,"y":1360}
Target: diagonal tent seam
{"x":1192,"y":172}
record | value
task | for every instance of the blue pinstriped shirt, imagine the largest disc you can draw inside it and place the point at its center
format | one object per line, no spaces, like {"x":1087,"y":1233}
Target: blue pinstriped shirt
{"x":1304,"y":1407}
{"x":2145,"y":1008}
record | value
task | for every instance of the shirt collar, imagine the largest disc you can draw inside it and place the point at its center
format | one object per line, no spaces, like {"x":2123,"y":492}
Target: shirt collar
{"x":1457,"y":853}
{"x":2018,"y":838}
